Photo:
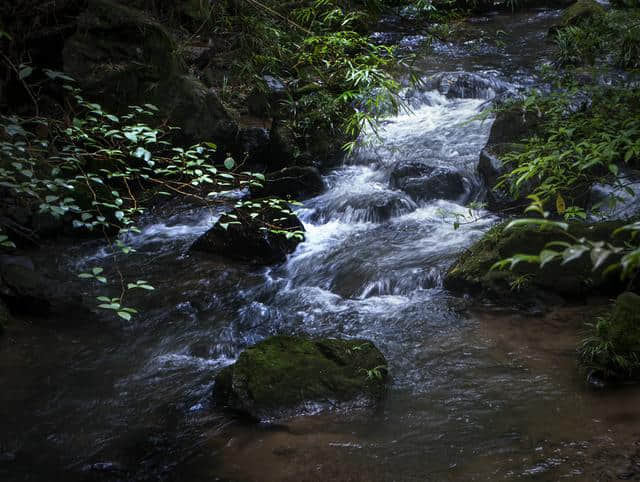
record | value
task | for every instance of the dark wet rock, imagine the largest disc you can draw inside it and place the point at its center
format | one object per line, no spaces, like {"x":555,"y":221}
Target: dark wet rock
{"x":196,"y":110}
{"x":424,"y":182}
{"x":577,"y":13}
{"x":121,"y":56}
{"x":297,"y":182}
{"x":244,"y":237}
{"x":286,"y":374}
{"x":490,"y":170}
{"x":253,"y":143}
{"x":284,"y":147}
{"x":373,"y":207}
{"x":265,"y":102}
{"x":513,"y":123}
{"x":472,"y":273}
{"x":27,"y":291}
{"x":467,"y":85}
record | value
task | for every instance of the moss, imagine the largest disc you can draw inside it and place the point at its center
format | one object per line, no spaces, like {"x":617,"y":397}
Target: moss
{"x":472,"y":272}
{"x":118,"y":53}
{"x":612,"y":348}
{"x":579,"y":12}
{"x":284,"y":372}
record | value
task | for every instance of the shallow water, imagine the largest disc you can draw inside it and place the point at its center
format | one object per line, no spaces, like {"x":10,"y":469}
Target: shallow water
{"x":475,"y":396}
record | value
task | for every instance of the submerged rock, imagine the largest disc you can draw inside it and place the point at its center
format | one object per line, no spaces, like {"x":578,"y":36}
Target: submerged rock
{"x":283,"y":374}
{"x":297,"y":182}
{"x":257,"y":233}
{"x":423,"y":182}
{"x":467,"y":85}
{"x":472,"y":273}
{"x":369,"y":207}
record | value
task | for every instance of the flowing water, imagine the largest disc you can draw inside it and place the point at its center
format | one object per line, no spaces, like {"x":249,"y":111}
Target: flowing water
{"x":474,"y":396}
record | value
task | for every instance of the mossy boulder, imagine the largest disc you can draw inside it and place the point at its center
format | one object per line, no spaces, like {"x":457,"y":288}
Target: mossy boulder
{"x":527,"y":283}
{"x":121,"y":56}
{"x":118,"y":52}
{"x":264,"y":235}
{"x":577,"y":13}
{"x":612,"y":349}
{"x":625,"y":323}
{"x":284,"y":374}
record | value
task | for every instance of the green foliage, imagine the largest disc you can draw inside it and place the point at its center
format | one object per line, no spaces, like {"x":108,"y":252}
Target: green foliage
{"x":575,"y":150}
{"x":339,"y":81}
{"x":610,"y":37}
{"x":98,"y":172}
{"x":612,"y":344}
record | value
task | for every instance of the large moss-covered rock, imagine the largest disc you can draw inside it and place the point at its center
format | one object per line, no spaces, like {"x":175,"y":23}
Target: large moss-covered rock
{"x":118,"y":52}
{"x":254,"y":235}
{"x":283,"y":374}
{"x":624,"y":329}
{"x":122,"y":56}
{"x":612,"y":348}
{"x":577,"y":13}
{"x":472,"y":272}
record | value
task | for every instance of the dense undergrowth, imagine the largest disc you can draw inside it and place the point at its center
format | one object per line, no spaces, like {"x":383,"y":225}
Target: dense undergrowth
{"x":589,"y":135}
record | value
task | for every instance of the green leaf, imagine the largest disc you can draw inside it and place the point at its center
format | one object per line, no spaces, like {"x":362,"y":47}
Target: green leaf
{"x":124,"y":315}
{"x":573,"y":252}
{"x":546,"y":256}
{"x":142,"y":153}
{"x":537,"y":222}
{"x":229,"y":163}
{"x":599,"y":256}
{"x":25,"y":71}
{"x":614,"y":169}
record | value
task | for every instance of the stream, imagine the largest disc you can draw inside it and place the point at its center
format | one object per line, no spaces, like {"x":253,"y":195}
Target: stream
{"x":481,"y":395}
